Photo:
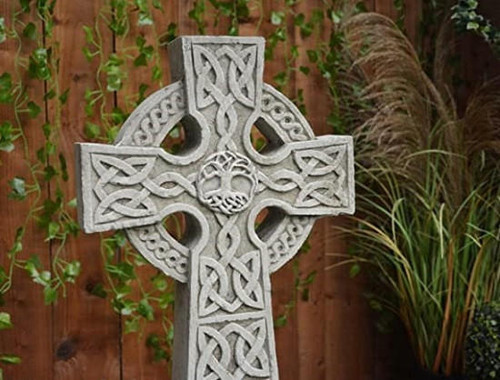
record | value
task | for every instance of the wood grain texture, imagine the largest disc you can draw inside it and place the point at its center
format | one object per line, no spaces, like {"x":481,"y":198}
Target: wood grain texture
{"x":311,"y":323}
{"x":282,"y":281}
{"x":86,"y":330}
{"x":25,"y":300}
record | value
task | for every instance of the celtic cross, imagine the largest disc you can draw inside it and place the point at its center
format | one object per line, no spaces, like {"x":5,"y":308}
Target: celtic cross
{"x":223,"y":316}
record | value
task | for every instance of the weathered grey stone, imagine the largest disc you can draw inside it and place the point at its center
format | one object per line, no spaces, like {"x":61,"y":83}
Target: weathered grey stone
{"x":223,"y":317}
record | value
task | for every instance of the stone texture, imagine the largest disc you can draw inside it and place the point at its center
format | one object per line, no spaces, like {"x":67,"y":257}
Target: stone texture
{"x":223,"y":317}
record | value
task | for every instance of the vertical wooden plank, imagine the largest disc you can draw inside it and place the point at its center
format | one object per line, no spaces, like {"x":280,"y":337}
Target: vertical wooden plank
{"x":413,"y":15}
{"x":310,"y":310}
{"x":386,"y":7}
{"x":282,"y":282}
{"x":86,"y":330}
{"x":138,"y":360}
{"x":31,"y":337}
{"x":350,"y":327}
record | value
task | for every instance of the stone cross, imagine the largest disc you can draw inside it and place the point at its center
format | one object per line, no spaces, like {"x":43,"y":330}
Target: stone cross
{"x":223,"y":315}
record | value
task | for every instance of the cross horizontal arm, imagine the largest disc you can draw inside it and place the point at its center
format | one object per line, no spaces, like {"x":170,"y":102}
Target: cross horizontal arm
{"x":122,"y":186}
{"x":313,"y":178}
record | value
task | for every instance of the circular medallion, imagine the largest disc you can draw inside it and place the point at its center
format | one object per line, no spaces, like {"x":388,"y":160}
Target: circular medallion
{"x":226,"y":182}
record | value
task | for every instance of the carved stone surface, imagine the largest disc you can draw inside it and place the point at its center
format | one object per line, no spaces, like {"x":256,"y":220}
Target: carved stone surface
{"x":223,"y":316}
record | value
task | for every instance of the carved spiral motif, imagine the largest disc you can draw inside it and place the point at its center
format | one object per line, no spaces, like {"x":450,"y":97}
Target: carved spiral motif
{"x":226,"y":182}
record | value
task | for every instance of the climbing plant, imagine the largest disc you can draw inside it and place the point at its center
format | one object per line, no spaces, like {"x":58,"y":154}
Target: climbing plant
{"x":467,"y":18}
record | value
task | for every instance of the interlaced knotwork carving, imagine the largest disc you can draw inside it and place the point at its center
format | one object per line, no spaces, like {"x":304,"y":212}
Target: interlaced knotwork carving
{"x":223,"y":357}
{"x":137,"y":184}
{"x":225,"y":85}
{"x":327,"y":163}
{"x":229,"y":281}
{"x":226,"y":182}
{"x":153,"y":123}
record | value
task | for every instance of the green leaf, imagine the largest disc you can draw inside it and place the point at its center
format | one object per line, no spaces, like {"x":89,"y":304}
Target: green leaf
{"x":72,"y":203}
{"x":63,"y":98}
{"x":281,"y":78}
{"x":3,"y":30}
{"x":33,"y":109}
{"x":141,"y":60}
{"x":89,"y":34}
{"x":166,"y":299}
{"x":7,"y":136}
{"x":354,"y":271}
{"x":30,"y":31}
{"x":49,"y":295}
{"x":5,"y":88}
{"x":71,"y":271}
{"x":281,"y":321}
{"x":18,"y":188}
{"x":171,"y":32}
{"x":99,"y":291}
{"x":122,"y":271}
{"x":52,"y":230}
{"x":64,"y":167}
{"x":10,"y":359}
{"x":146,"y":310}
{"x":157,"y":4}
{"x":25,"y":5}
{"x":157,"y":73}
{"x":471,"y":25}
{"x":39,"y":64}
{"x":277,"y":17}
{"x":92,"y":130}
{"x":313,"y":55}
{"x":159,"y":282}
{"x":131,"y":325}
{"x":304,"y":70}
{"x":5,"y":322}
{"x":310,"y":278}
{"x":335,"y":16}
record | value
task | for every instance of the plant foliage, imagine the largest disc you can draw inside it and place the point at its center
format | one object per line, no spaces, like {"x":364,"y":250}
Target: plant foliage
{"x":482,"y":350}
{"x":428,"y":184}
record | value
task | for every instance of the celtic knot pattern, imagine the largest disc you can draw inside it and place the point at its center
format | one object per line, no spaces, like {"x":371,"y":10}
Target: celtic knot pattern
{"x":136,"y":185}
{"x":327,"y":163}
{"x":223,"y":358}
{"x":225,"y":85}
{"x":152,"y":126}
{"x":226,"y":182}
{"x":229,"y":281}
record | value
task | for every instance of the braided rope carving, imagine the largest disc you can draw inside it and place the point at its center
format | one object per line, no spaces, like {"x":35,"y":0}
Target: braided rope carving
{"x":165,"y":248}
{"x":154,"y":122}
{"x":285,"y":118}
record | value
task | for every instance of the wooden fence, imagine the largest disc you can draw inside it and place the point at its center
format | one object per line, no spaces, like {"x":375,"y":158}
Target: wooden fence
{"x":329,"y":336}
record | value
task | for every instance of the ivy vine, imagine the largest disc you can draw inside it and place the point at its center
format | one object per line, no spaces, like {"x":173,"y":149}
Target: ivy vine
{"x":466,"y":17}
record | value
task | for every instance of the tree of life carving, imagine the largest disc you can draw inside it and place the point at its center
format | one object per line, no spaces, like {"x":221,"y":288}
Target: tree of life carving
{"x":223,"y":317}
